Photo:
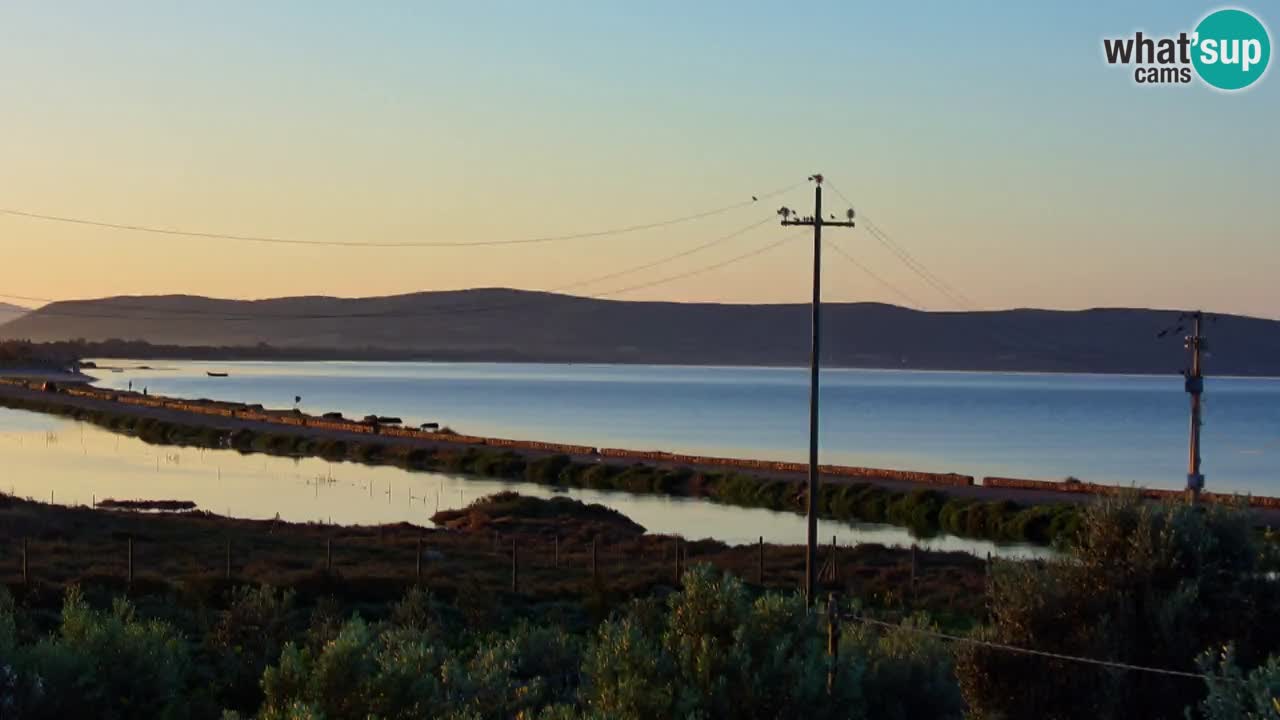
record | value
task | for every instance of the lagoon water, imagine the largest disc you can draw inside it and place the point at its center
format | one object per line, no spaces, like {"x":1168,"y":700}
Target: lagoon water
{"x":73,"y":463}
{"x":1114,"y":429}
{"x":1102,"y":428}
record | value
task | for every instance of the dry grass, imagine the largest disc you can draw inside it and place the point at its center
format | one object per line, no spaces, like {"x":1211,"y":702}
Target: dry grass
{"x":185,"y":555}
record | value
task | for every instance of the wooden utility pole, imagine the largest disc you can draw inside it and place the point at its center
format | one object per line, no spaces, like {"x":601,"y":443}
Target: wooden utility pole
{"x":595,"y":562}
{"x":515,"y":566}
{"x":811,"y":509}
{"x":760,"y":563}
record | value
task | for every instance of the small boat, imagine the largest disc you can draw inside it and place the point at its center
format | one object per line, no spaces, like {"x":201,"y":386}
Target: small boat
{"x":211,"y":373}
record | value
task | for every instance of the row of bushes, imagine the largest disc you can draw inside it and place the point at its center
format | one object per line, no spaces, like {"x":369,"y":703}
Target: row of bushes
{"x":712,"y":649}
{"x":924,"y":511}
{"x":1158,"y":586}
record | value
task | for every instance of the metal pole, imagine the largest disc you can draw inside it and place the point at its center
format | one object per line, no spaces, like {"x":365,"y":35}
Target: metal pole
{"x":811,"y":505}
{"x":1195,"y":386}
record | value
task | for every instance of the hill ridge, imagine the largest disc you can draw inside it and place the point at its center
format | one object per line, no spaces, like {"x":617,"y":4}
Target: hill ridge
{"x":510,"y":324}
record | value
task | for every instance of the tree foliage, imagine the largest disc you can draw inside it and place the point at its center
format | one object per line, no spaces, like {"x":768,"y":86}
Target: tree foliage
{"x":1140,"y":583}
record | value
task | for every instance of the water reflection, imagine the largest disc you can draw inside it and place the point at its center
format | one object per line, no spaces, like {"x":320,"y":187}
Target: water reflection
{"x":79,"y":463}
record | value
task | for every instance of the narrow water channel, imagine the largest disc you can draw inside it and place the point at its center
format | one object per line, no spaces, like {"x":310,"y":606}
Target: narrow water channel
{"x":74,"y":463}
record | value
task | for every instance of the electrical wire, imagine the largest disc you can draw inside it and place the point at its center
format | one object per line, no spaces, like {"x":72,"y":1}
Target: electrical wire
{"x":911,"y":302}
{"x":450,"y":310}
{"x":917,"y":267}
{"x":1038,"y":653}
{"x":434,"y":244}
{"x":701,"y":270}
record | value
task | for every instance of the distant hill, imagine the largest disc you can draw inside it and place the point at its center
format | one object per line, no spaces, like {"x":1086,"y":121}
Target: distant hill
{"x":500,"y":324}
{"x":11,"y":312}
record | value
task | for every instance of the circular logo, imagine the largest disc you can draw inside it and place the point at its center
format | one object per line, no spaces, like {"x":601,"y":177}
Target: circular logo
{"x":1232,"y":49}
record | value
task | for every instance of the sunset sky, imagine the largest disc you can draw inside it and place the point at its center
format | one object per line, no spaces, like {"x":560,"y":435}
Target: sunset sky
{"x":991,"y":140}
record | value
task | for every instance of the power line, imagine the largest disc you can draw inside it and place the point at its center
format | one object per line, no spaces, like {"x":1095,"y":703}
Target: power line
{"x":699,"y":271}
{"x":916,"y":266}
{"x":909,"y":260}
{"x":911,"y":302}
{"x":351,"y":244}
{"x":664,"y":260}
{"x":313,"y":316}
{"x":1038,"y":653}
{"x":457,"y":309}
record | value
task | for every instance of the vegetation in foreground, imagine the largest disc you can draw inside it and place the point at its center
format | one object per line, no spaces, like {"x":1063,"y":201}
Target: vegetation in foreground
{"x":925,"y":511}
{"x":1168,"y":587}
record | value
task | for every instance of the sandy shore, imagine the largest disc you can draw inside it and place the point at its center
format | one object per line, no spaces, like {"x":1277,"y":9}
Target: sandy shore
{"x":45,"y":375}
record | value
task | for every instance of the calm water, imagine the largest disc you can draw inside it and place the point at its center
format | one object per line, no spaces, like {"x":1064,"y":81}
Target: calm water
{"x":78,"y":462}
{"x":1111,"y":429}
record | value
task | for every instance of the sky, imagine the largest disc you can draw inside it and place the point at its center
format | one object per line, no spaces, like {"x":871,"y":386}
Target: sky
{"x":988,"y":139}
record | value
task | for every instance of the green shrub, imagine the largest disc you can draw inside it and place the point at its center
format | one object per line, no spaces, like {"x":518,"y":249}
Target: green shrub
{"x":1143,"y":583}
{"x":103,"y":665}
{"x":1233,"y":693}
{"x":907,"y":674}
{"x":599,"y":476}
{"x":546,"y":470}
{"x":713,"y":652}
{"x":247,"y":638}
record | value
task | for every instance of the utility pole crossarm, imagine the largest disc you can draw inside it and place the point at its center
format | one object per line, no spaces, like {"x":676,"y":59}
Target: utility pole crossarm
{"x":810,"y":222}
{"x":815,"y":221}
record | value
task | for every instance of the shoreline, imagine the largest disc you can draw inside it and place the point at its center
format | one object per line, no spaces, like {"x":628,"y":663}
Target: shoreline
{"x":620,"y":363}
{"x":849,"y":493}
{"x":46,"y":375}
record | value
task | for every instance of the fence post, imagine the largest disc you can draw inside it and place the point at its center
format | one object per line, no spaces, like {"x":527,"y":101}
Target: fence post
{"x":130,"y":546}
{"x":679,"y":565}
{"x":417,"y":571}
{"x":595,"y":562}
{"x":835,"y":561}
{"x":760,"y":566}
{"x":25,"y":577}
{"x":913,"y":573}
{"x":557,"y":557}
{"x":833,"y":640}
{"x":228,"y":558}
{"x":328,"y":556}
{"x":515,"y":567}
